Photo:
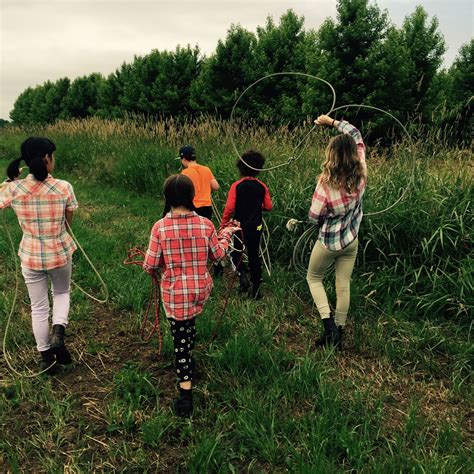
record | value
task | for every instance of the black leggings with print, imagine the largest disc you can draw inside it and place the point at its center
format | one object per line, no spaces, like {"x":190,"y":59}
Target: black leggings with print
{"x":184,"y":335}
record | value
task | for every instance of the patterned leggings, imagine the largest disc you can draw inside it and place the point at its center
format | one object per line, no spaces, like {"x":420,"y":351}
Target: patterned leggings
{"x":184,"y":335}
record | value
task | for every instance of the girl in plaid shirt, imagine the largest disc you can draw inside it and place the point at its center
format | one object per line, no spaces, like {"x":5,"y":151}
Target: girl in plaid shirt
{"x":337,"y":208}
{"x":180,"y":244}
{"x":43,"y":205}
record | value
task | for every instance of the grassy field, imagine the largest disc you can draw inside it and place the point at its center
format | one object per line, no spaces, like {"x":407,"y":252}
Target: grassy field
{"x":399,"y":399}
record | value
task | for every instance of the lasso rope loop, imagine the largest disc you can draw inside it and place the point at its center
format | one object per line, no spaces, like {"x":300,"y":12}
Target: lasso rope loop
{"x":232,"y":114}
{"x":295,"y":157}
{"x":300,"y":248}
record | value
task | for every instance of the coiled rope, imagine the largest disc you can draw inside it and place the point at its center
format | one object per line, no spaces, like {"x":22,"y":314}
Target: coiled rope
{"x":305,"y":241}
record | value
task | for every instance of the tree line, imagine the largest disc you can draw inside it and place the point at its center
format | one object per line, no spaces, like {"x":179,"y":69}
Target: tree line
{"x":361,"y":53}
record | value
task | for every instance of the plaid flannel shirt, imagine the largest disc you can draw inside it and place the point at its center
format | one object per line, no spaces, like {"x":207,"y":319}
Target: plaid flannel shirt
{"x":40,"y":207}
{"x":338,"y":212}
{"x":181,"y":244}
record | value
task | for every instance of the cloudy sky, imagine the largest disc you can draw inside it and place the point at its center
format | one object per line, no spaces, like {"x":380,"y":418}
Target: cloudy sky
{"x":50,"y":39}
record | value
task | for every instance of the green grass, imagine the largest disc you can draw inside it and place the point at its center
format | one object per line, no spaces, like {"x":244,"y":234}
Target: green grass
{"x":398,"y":400}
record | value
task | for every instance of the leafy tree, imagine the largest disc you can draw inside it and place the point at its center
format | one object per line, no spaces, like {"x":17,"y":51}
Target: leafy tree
{"x":391,"y":89}
{"x":279,"y":48}
{"x":171,"y":89}
{"x":54,"y":99}
{"x":21,"y":113}
{"x":454,"y":91}
{"x":426,"y":47}
{"x":81,"y":99}
{"x":156,"y":84}
{"x":108,"y":96}
{"x":461,"y":76}
{"x":229,"y":70}
{"x":349,"y":46}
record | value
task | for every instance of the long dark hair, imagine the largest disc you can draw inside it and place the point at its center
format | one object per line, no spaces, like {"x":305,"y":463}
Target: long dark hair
{"x":33,"y":150}
{"x":179,"y":191}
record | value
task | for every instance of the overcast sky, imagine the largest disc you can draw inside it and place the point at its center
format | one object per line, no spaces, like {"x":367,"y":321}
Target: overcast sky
{"x":50,"y":39}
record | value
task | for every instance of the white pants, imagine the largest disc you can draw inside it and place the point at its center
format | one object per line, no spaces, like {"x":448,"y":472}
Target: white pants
{"x":37,"y":284}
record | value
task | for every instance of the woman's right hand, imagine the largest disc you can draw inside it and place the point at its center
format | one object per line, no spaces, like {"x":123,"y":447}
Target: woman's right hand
{"x":324,"y":120}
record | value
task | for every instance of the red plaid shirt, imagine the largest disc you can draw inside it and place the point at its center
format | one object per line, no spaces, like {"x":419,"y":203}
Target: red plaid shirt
{"x":40,"y":207}
{"x":338,"y":212}
{"x":181,"y":244}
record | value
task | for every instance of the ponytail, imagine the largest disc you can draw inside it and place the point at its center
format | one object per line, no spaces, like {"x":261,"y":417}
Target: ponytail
{"x":38,"y":168}
{"x":33,"y":151}
{"x":13,"y":170}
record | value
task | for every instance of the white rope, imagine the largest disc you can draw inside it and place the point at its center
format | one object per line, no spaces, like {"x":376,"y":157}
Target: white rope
{"x":291,"y":158}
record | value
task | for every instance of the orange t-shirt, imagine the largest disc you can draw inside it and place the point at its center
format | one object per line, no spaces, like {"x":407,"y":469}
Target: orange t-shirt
{"x":201,"y":176}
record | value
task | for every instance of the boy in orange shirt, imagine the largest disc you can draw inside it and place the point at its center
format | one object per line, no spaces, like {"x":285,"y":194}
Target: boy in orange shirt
{"x":202,"y":178}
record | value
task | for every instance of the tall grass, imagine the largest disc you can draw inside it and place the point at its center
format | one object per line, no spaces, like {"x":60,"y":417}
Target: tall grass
{"x":397,"y":401}
{"x":418,"y":254}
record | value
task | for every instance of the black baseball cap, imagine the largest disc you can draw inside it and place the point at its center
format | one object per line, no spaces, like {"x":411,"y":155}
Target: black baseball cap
{"x":187,"y":152}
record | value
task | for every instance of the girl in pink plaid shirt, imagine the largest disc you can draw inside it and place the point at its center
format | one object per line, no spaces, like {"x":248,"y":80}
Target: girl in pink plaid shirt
{"x":180,"y":245}
{"x":337,"y":209}
{"x":43,"y":205}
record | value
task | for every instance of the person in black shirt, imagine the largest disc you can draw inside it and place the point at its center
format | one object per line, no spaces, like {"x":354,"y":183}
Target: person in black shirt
{"x":246,"y":200}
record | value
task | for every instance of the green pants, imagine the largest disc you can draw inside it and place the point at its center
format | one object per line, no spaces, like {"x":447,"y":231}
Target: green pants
{"x":321,"y":259}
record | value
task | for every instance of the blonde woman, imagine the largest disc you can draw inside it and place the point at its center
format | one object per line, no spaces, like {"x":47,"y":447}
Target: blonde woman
{"x":337,"y":209}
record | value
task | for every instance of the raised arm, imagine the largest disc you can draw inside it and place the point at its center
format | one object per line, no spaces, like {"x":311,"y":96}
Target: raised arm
{"x":344,"y":126}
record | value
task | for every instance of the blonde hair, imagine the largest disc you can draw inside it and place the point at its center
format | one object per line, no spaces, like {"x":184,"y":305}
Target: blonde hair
{"x":342,"y":167}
